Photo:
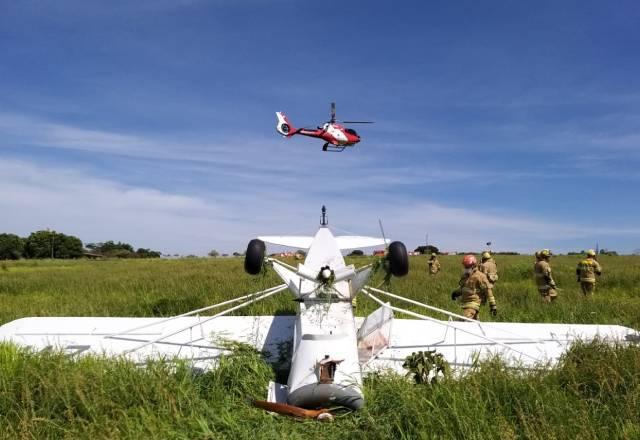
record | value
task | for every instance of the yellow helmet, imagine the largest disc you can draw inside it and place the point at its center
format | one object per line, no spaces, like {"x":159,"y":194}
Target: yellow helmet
{"x":545,"y":253}
{"x":486,"y":255}
{"x":591,"y":253}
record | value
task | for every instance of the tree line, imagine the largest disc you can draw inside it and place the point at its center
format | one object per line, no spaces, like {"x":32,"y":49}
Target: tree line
{"x":52,"y":244}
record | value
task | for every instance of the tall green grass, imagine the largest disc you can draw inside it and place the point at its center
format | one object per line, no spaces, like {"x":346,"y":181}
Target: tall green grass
{"x":167,"y":287}
{"x":593,"y":393}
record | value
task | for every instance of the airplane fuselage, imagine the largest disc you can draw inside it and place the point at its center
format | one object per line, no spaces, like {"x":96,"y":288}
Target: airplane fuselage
{"x":325,"y":369}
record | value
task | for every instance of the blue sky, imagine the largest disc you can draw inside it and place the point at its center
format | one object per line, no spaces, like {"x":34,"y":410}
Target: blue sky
{"x":153,"y":122}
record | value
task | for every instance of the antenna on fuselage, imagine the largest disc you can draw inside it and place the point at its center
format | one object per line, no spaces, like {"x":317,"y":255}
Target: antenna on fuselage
{"x":324,"y":221}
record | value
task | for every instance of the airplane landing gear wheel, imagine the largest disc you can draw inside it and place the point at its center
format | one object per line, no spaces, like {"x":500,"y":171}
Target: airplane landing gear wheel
{"x":254,"y":258}
{"x":398,"y":259}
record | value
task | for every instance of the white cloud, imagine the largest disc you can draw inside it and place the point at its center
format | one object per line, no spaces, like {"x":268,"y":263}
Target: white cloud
{"x":36,"y":197}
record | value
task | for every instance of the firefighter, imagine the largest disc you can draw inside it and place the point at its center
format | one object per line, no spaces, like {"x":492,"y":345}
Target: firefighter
{"x":434,"y":264}
{"x":489,"y":268}
{"x":542,"y":273}
{"x":587,"y":271}
{"x":475,"y":289}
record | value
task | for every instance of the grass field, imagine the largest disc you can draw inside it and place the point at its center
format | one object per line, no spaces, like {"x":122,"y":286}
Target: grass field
{"x":166,"y":287}
{"x":594,"y":392}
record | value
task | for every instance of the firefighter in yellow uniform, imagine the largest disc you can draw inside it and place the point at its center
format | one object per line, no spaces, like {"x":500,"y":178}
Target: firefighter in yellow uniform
{"x":434,"y":264}
{"x":475,"y":289}
{"x":489,"y":268}
{"x":587,"y":271}
{"x":542,"y":272}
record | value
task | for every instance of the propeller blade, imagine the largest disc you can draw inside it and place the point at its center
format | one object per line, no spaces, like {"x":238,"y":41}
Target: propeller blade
{"x":289,"y":410}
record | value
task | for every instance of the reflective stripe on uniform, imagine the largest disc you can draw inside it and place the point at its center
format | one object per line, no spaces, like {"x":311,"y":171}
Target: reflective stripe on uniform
{"x":471,"y":305}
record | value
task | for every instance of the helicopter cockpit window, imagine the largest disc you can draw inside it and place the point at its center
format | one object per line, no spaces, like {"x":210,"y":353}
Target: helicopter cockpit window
{"x":351,"y":131}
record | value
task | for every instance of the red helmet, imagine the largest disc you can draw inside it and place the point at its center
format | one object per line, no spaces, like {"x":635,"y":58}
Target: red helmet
{"x":469,"y":260}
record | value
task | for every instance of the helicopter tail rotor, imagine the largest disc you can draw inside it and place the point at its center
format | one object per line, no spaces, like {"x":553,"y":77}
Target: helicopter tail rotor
{"x":284,"y":126}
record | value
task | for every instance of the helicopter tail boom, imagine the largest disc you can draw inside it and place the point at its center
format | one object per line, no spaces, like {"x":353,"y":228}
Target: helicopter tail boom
{"x":284,"y":126}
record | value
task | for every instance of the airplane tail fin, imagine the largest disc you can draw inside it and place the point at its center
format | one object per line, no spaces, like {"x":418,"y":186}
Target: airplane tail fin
{"x":284,"y":126}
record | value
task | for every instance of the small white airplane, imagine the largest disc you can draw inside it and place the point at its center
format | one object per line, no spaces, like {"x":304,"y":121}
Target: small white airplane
{"x":330,"y":348}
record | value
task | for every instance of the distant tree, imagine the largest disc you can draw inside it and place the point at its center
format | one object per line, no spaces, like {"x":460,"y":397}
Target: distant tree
{"x":147,"y":253}
{"x":11,"y":247}
{"x":356,"y":253}
{"x":428,"y":249}
{"x":213,"y":253}
{"x":114,"y":250}
{"x":237,"y":254}
{"x":225,"y":255}
{"x":301,"y":252}
{"x":111,"y":246}
{"x":52,"y":244}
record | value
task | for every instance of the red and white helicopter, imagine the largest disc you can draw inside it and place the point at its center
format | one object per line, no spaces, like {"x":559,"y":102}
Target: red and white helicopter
{"x":328,"y":348}
{"x":337,"y":137}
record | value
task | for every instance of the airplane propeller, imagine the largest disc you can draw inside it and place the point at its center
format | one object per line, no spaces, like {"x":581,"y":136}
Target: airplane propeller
{"x":295,"y":411}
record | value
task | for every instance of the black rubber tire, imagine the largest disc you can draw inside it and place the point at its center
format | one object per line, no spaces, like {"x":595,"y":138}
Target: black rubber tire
{"x":254,"y":257}
{"x":398,"y":259}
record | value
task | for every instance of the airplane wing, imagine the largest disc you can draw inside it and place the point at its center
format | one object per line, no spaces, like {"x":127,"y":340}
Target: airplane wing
{"x":201,"y":342}
{"x":461,"y":343}
{"x":344,"y":242}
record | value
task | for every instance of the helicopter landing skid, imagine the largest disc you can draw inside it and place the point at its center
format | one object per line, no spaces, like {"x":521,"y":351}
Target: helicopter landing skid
{"x":333,"y":148}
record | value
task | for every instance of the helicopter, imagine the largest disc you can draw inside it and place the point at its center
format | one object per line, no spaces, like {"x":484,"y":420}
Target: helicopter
{"x":337,"y":137}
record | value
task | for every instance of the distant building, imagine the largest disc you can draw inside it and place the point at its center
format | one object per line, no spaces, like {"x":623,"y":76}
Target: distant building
{"x":286,"y":255}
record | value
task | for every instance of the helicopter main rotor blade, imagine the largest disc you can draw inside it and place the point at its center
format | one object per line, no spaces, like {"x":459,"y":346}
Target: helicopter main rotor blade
{"x":333,"y":112}
{"x":357,"y":122}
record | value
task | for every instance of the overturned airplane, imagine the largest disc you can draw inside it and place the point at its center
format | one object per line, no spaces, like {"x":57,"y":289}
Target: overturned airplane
{"x":329,"y":348}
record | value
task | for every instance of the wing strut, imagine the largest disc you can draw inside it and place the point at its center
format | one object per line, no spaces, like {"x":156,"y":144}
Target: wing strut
{"x":269,"y":292}
{"x":428,"y":318}
{"x":452,"y":315}
{"x":192,"y":312}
